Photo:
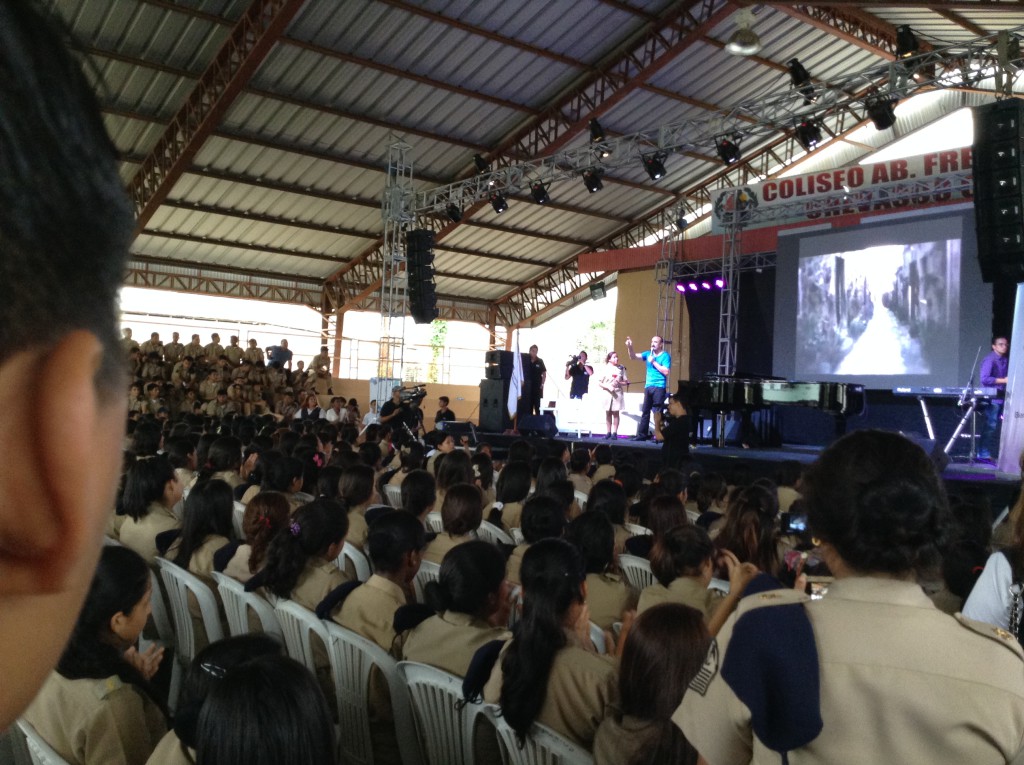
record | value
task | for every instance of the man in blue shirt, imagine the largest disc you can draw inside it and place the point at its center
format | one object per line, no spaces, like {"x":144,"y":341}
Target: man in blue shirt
{"x":994,"y":370}
{"x":658,"y":363}
{"x":280,"y":354}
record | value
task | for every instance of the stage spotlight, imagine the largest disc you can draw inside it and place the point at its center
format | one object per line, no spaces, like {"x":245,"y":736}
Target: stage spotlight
{"x":539,"y":192}
{"x":720,"y":283}
{"x":681,"y":223}
{"x":592,"y":179}
{"x":654,"y":164}
{"x":454,"y":212}
{"x":482,"y":165}
{"x":693,"y":286}
{"x":498,"y":202}
{"x":598,"y":140}
{"x":706,"y":285}
{"x":728,"y":150}
{"x":882,"y":111}
{"x":680,"y":287}
{"x":801,"y":80}
{"x":906,"y":42}
{"x":808,"y":134}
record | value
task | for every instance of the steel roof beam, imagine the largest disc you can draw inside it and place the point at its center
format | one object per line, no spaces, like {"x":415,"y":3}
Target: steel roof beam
{"x":249,"y":42}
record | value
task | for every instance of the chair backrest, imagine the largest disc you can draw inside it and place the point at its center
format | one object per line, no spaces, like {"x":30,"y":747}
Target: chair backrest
{"x":298,"y":625}
{"x":598,"y":639}
{"x":692,"y":516}
{"x":434,"y":522}
{"x":444,"y":725}
{"x":179,"y":583}
{"x":517,"y":536}
{"x":493,"y":534}
{"x":429,"y":572}
{"x":236,"y":519}
{"x":542,"y":747}
{"x":581,"y":499}
{"x":361,"y":564}
{"x":352,"y":658}
{"x":637,"y":530}
{"x":393,"y":494}
{"x":238,"y":603}
{"x":39,"y":751}
{"x":637,"y":571}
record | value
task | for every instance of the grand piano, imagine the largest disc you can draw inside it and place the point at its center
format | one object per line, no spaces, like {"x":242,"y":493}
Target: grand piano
{"x":718,"y":394}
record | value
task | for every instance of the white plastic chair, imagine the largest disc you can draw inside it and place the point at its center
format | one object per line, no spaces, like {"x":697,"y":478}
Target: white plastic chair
{"x":298,"y":625}
{"x":236,"y":519}
{"x":517,"y":536}
{"x":598,"y":639}
{"x":493,"y":534}
{"x":39,"y":751}
{"x":429,"y":572}
{"x":542,"y":747}
{"x":637,"y":571}
{"x":393,"y":494}
{"x":179,"y":583}
{"x":692,"y":516}
{"x":164,"y":628}
{"x":361,"y":564}
{"x":444,"y":725}
{"x":352,"y":658}
{"x":434,"y":522}
{"x":636,"y":530}
{"x":581,"y":499}
{"x":237,"y":604}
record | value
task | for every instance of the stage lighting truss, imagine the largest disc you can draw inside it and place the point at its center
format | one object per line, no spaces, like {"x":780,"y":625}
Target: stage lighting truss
{"x":706,"y":283}
{"x":834,"y":105}
{"x":801,"y":80}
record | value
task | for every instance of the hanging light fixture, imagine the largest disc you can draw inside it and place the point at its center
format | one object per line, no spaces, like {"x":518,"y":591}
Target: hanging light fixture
{"x":454,"y":212}
{"x":728,"y":149}
{"x":808,"y":134}
{"x":539,"y":192}
{"x":498,"y":202}
{"x":744,"y":41}
{"x":906,"y":42}
{"x":592,"y":179}
{"x":882,"y":111}
{"x":654,"y":164}
{"x":598,"y":140}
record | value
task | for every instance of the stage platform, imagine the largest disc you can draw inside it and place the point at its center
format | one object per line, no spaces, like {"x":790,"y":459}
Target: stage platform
{"x":959,"y":476}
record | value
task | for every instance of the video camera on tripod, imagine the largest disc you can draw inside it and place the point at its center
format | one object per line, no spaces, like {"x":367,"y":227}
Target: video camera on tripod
{"x":413,"y":395}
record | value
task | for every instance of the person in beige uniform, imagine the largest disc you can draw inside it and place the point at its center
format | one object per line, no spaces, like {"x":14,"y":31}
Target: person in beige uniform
{"x":97,"y":708}
{"x":608,"y":596}
{"x":511,"y":490}
{"x":357,"y":487}
{"x":265,"y":515}
{"x":580,"y":689}
{"x":898,"y":680}
{"x":461,"y":515}
{"x":151,"y":491}
{"x":471,"y":597}
{"x":543,"y":518}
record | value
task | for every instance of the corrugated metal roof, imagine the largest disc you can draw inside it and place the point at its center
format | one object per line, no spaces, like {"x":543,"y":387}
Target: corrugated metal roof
{"x":290,"y":180}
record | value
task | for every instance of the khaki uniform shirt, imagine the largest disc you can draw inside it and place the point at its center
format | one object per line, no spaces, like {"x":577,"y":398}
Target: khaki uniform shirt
{"x":787,"y":496}
{"x":173,"y":352}
{"x":619,"y":737}
{"x":169,"y":752}
{"x":238,"y":566}
{"x":195,"y":350}
{"x":515,"y":562}
{"x":317,"y":580}
{"x":449,"y":640}
{"x":602,"y":472}
{"x":370,"y":610}
{"x":581,"y":482}
{"x":141,"y":535}
{"x":512,"y":515}
{"x":255,"y":355}
{"x":685,"y":590}
{"x":96,"y":722}
{"x":901,"y":682}
{"x":201,"y":562}
{"x":581,"y":688}
{"x":441,"y":544}
{"x":213,"y":351}
{"x":234,"y":354}
{"x":607,"y":597}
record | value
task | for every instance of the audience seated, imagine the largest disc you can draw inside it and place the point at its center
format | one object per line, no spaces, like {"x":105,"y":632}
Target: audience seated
{"x":608,"y":596}
{"x":461,"y":514}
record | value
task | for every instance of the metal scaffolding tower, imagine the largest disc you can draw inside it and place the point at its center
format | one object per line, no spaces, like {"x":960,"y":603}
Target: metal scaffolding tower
{"x":668,"y":303}
{"x":396,"y":205}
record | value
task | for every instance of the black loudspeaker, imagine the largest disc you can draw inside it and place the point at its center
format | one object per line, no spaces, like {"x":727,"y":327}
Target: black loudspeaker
{"x":538,"y":425}
{"x":493,"y":412}
{"x":498,"y":364}
{"x":998,"y":162}
{"x":419,"y":256}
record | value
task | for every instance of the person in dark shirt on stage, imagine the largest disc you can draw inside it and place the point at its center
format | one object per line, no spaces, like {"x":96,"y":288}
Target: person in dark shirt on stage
{"x":538,"y":375}
{"x":675,"y":430}
{"x":579,"y":371}
{"x":994,"y":369}
{"x":444,"y":414}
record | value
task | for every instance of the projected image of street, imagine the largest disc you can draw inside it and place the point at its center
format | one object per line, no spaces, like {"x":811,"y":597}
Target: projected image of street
{"x":885,"y":310}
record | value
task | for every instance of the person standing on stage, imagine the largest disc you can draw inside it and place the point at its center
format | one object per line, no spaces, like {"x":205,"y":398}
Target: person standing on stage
{"x":994,"y":369}
{"x":655,"y":384}
{"x":613,"y":381}
{"x":538,"y":374}
{"x":579,"y":371}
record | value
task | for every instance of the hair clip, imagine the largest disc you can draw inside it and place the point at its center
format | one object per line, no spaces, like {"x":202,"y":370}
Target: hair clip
{"x":295,"y":528}
{"x":212,"y":669}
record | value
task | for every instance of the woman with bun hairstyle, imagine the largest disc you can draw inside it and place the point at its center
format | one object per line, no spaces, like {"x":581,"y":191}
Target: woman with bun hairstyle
{"x":549,"y":672}
{"x":471,"y":598}
{"x":98,"y":706}
{"x":663,"y":651}
{"x":881,"y":657}
{"x":151,"y":491}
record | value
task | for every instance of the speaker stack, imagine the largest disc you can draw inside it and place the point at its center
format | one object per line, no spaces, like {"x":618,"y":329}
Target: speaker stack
{"x":999,"y":189}
{"x":494,"y":416}
{"x":419,"y":263}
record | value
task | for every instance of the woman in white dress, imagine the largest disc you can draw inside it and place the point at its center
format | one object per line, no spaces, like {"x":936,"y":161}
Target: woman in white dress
{"x":613,"y":381}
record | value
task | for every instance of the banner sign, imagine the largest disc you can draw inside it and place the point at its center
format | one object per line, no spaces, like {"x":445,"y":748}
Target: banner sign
{"x":909,"y":182}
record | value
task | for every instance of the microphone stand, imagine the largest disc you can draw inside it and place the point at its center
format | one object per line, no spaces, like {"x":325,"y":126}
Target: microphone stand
{"x":971,"y":413}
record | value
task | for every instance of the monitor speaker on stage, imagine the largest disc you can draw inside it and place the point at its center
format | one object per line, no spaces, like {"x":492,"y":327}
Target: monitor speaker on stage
{"x":538,"y":425}
{"x":998,"y":162}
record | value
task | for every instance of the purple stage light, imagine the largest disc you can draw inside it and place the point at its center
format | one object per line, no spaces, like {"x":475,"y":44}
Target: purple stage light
{"x":680,"y":287}
{"x":693,"y":286}
{"x":705,"y":285}
{"x":720,"y":283}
